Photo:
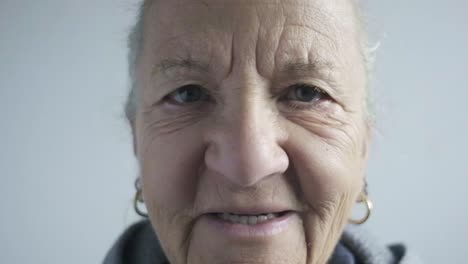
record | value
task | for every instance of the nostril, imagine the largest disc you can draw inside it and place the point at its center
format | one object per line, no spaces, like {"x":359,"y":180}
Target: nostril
{"x":244,"y":155}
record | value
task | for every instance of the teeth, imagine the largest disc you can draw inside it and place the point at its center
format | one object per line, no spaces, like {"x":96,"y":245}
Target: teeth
{"x":225,"y":216}
{"x":246,"y":219}
{"x":252,"y":220}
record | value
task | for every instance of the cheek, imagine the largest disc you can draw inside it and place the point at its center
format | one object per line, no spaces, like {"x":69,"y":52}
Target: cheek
{"x":170,"y":165}
{"x":169,"y":153}
{"x":329,"y":179}
{"x":328,"y":164}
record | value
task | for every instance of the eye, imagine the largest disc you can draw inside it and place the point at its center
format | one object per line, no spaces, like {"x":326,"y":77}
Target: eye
{"x":305,"y":93}
{"x":187,"y":94}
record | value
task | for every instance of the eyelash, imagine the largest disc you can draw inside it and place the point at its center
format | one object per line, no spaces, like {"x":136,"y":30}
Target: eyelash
{"x":300,"y":105}
{"x":292,"y":104}
{"x":168,"y":97}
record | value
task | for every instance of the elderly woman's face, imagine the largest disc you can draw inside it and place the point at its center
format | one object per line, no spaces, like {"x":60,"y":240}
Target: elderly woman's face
{"x":251,"y":133}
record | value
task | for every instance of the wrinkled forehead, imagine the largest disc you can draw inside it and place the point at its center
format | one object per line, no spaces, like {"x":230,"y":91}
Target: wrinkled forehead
{"x":326,"y":30}
{"x":231,"y":11}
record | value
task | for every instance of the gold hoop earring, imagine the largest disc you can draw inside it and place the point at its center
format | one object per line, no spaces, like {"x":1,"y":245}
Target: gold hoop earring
{"x":369,"y":206}
{"x":138,"y":199}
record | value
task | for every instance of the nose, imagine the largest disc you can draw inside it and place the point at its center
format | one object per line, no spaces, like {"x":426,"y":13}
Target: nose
{"x":245,"y":144}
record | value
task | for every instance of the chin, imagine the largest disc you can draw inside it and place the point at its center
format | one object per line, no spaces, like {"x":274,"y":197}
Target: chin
{"x":278,"y":240}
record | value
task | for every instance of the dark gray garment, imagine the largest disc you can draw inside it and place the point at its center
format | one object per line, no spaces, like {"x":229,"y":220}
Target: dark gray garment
{"x":139,"y":245}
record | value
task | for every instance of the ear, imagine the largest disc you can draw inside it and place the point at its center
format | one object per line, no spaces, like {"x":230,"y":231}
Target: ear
{"x":367,"y":141}
{"x":135,"y":145}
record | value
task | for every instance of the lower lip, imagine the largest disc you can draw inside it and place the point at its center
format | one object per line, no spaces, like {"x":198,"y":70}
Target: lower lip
{"x":268,"y":228}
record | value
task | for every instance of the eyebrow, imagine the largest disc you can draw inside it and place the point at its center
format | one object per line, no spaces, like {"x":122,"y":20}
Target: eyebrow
{"x":290,"y":69}
{"x":188,"y":64}
{"x":323,"y":69}
{"x":301,"y":68}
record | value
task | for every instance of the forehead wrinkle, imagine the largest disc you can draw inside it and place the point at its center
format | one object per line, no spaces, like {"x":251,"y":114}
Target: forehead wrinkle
{"x":312,"y":43}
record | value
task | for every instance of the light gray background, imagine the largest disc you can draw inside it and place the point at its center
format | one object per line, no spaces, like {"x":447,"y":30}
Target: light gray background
{"x":66,"y":160}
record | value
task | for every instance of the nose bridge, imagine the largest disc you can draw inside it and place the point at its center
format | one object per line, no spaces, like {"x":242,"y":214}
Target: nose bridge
{"x":255,"y":127}
{"x":245,"y":145}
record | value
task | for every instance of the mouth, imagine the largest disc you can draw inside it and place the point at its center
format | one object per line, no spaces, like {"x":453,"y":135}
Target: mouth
{"x":248,"y":219}
{"x":247,"y":225}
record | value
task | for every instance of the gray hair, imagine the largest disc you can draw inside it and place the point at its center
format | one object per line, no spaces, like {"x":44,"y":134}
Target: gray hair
{"x":135,"y":41}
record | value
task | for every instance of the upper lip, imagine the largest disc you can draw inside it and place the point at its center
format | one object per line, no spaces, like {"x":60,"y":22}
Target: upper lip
{"x":247,"y":210}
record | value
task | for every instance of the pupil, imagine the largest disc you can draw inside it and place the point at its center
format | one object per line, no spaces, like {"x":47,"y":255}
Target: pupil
{"x":190,"y":94}
{"x":305,"y":93}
